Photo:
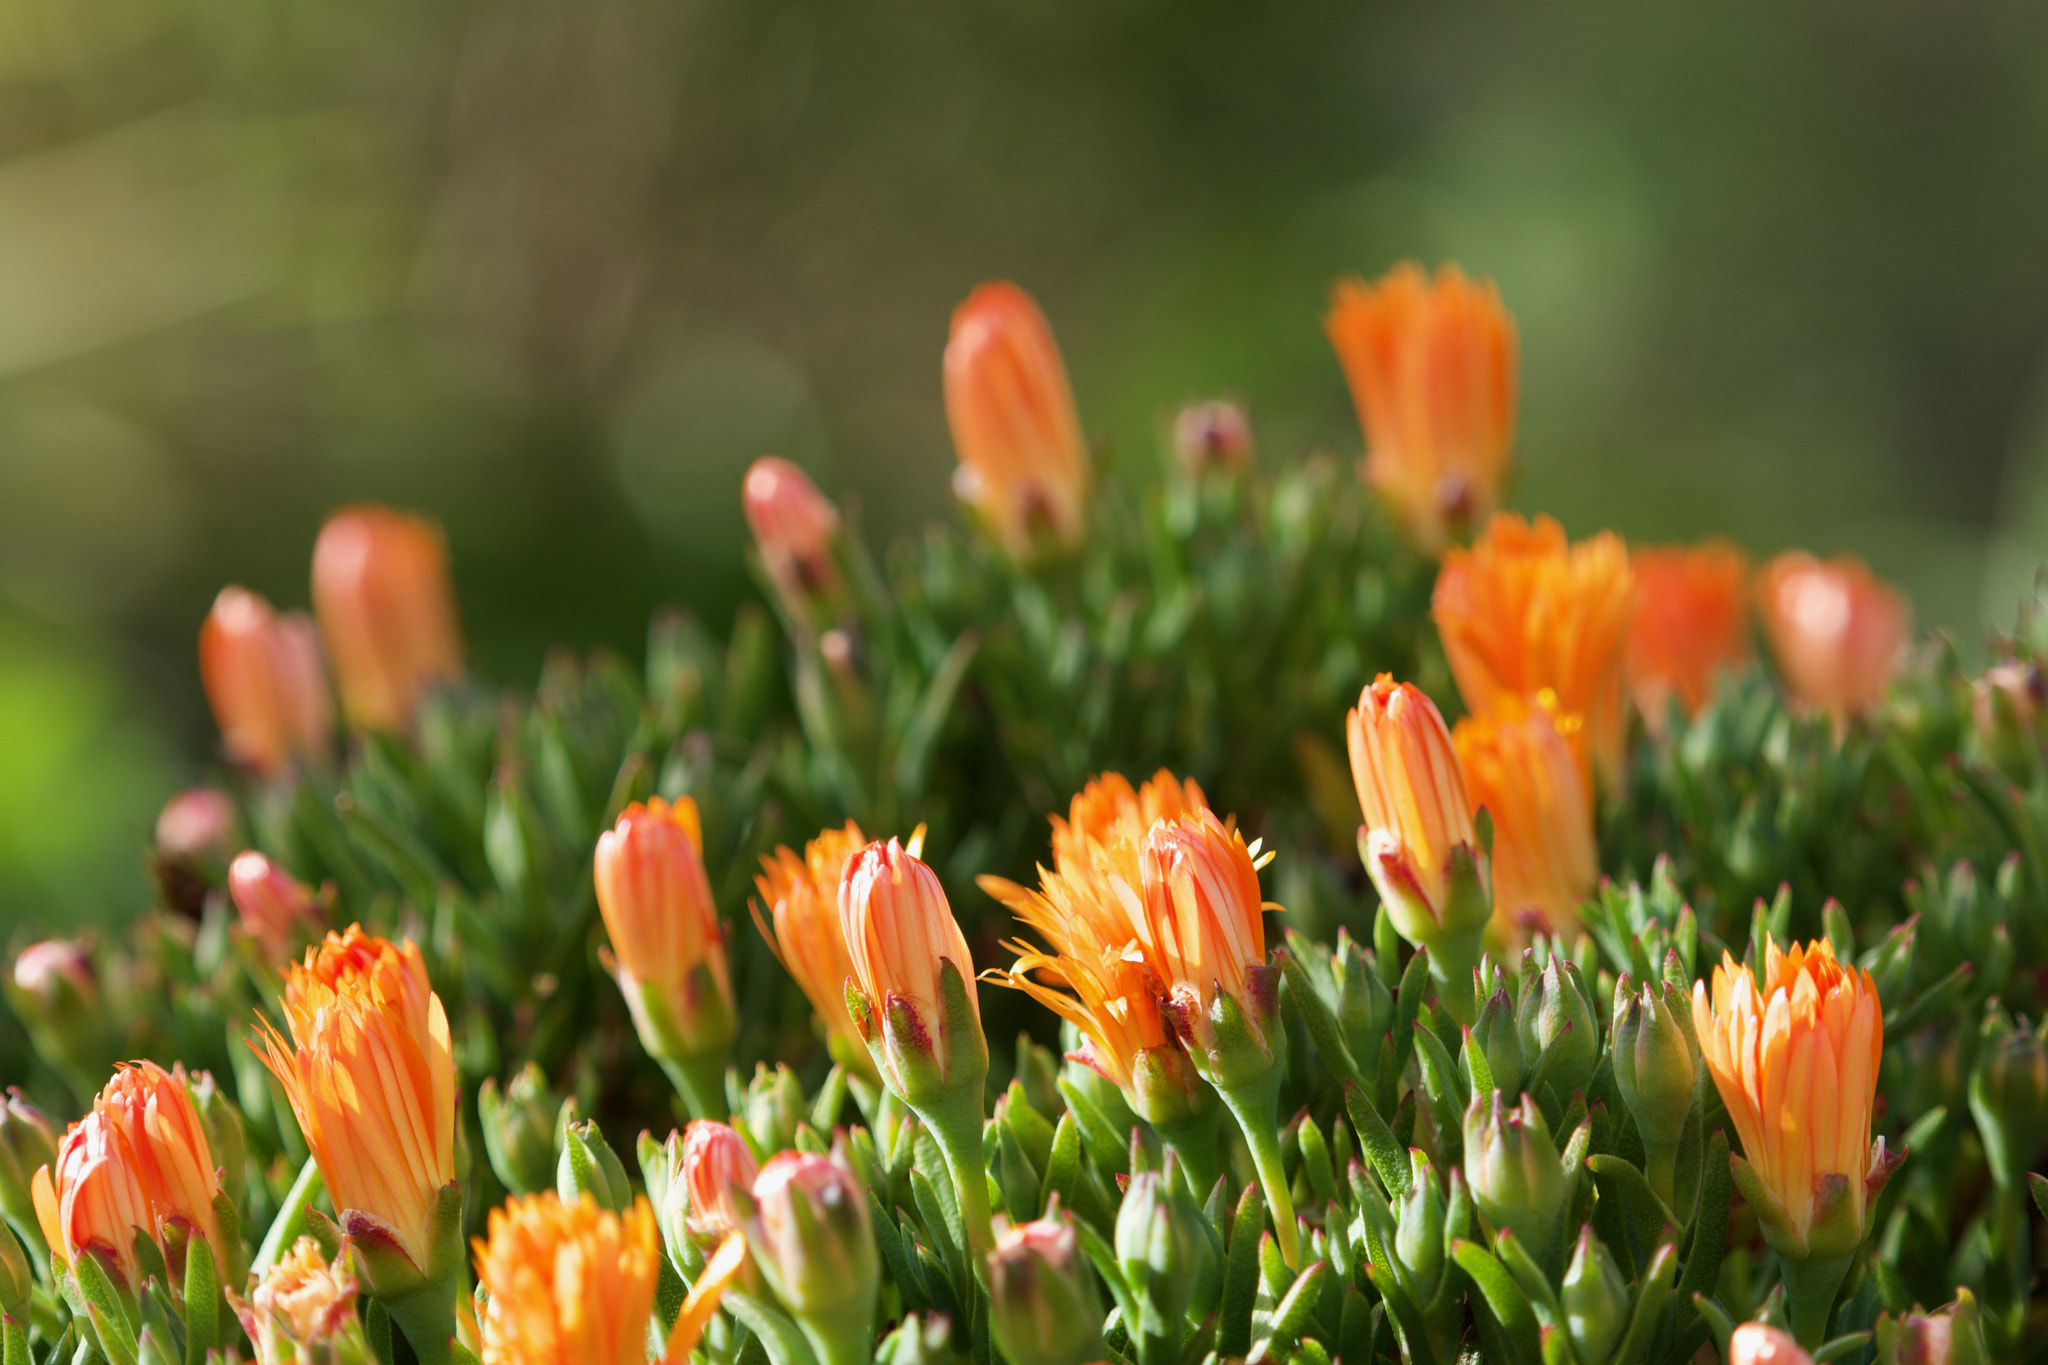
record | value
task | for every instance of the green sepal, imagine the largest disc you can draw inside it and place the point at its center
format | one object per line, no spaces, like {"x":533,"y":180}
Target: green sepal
{"x":113,"y":1313}
{"x":421,"y":1300}
{"x":588,"y":1165}
{"x":202,"y":1301}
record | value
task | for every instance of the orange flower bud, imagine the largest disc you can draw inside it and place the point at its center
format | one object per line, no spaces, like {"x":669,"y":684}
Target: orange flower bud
{"x":380,"y":588}
{"x":1759,"y":1343}
{"x":1522,"y":613}
{"x":371,"y":1078}
{"x":572,"y":1284}
{"x":272,"y":904}
{"x":264,"y":680}
{"x":1023,"y":462}
{"x":668,"y":948}
{"x":793,"y":525}
{"x":802,"y":895}
{"x":1202,"y":930}
{"x":1794,"y":1054}
{"x":1431,"y":365}
{"x":1837,"y":631}
{"x":715,"y":1163}
{"x":139,"y":1160}
{"x":304,"y":1309}
{"x":1419,"y":845}
{"x":1519,"y":768}
{"x":1691,"y":623}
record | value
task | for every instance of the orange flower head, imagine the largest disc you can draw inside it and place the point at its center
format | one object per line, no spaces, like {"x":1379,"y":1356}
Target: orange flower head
{"x":1108,"y":819}
{"x":1691,"y":624}
{"x":1836,"y":630}
{"x":572,"y":1284}
{"x":1418,"y":843}
{"x":1023,"y":462}
{"x":901,"y":935}
{"x":1431,"y":365}
{"x":387,"y":611}
{"x":272,"y":904}
{"x":715,"y":1162}
{"x":802,"y":895}
{"x":264,"y":680}
{"x":793,"y":525}
{"x":1519,"y":767}
{"x":1199,"y":925}
{"x":667,"y":946}
{"x":137,"y":1161}
{"x":301,"y":1302}
{"x":1523,"y":613}
{"x":371,"y":1078}
{"x":1794,"y":1053}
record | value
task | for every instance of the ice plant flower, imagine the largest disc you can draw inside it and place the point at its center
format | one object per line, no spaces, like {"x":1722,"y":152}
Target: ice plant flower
{"x":1837,"y":631}
{"x":912,"y":997}
{"x":264,"y":680}
{"x":387,"y":612}
{"x":793,"y":525}
{"x":1759,"y":1343}
{"x":1523,"y":613}
{"x":1418,"y":842}
{"x":138,"y":1161}
{"x":806,"y":1222}
{"x":667,"y":948}
{"x":1691,"y":624}
{"x":303,"y":1312}
{"x":1431,"y":366}
{"x":370,"y":1075}
{"x":1199,"y":919}
{"x":715,"y":1163}
{"x":802,"y":896}
{"x":274,"y":907}
{"x":572,"y":1284}
{"x":1794,"y":1049}
{"x":1023,"y":461}
{"x":1519,"y":768}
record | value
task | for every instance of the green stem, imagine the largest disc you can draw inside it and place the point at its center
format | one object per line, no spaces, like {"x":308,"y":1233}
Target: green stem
{"x":1194,"y":1141}
{"x":1256,"y":1107}
{"x":701,"y":1083}
{"x":1810,"y":1289}
{"x":957,"y":1129}
{"x":837,"y":1342}
{"x":1452,"y":960}
{"x":1662,"y":1169}
{"x":291,"y":1219}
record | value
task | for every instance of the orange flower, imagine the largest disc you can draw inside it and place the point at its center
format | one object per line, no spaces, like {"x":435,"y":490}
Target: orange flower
{"x":139,"y":1160}
{"x":793,"y":525}
{"x":1023,"y":462}
{"x":668,"y":948}
{"x":802,"y":894}
{"x":381,"y":591}
{"x":715,"y":1162}
{"x":1519,"y":768}
{"x":573,"y":1284}
{"x":1200,"y":923}
{"x":301,"y":1303}
{"x":1795,"y":1056}
{"x":1418,"y":818}
{"x":371,"y":1078}
{"x":1836,"y":629}
{"x":1431,"y":367}
{"x":1523,"y":613}
{"x":1692,"y":622}
{"x":264,"y":680}
{"x":1109,"y":819}
{"x":901,"y":935}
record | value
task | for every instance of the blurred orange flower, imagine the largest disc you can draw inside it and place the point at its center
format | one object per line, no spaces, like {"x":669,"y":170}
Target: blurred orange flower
{"x":1412,"y":792}
{"x":1519,"y":768}
{"x":1431,"y":365}
{"x":265,"y":682}
{"x":715,"y":1162}
{"x":663,"y":925}
{"x":381,"y":591}
{"x":802,"y":895}
{"x":1523,"y":613}
{"x":1692,"y":622}
{"x":1023,"y":461}
{"x":1836,"y":630}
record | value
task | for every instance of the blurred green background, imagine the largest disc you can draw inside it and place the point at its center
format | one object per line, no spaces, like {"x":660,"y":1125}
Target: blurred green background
{"x":557,"y":270}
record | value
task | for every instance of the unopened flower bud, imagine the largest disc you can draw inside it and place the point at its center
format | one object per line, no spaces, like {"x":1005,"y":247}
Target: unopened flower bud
{"x":196,"y":825}
{"x":1162,"y":1252}
{"x":1596,"y":1298}
{"x":1654,"y":1070}
{"x":2009,"y":1096}
{"x":1501,"y":1041}
{"x":387,"y":612}
{"x":807,"y":1225}
{"x":1043,"y":1306}
{"x":589,"y":1168}
{"x":275,"y":909}
{"x":1516,"y":1172}
{"x":1953,"y":1335}
{"x":1364,"y":1006}
{"x":2007,"y":703}
{"x":1837,"y":631}
{"x":1215,"y":435}
{"x":1419,"y":1228}
{"x":518,"y":1125}
{"x":265,"y":682}
{"x":1757,"y":1343}
{"x":773,"y":1107}
{"x":918,"y":1340}
{"x":793,"y":525}
{"x":1556,"y":1014}
{"x":715,"y":1165}
{"x":303,"y":1312}
{"x":1023,"y":461}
